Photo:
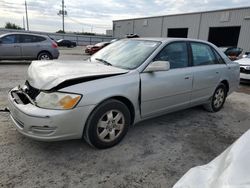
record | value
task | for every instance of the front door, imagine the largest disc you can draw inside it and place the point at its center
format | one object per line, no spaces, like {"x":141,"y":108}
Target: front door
{"x":170,"y":90}
{"x":10,"y":48}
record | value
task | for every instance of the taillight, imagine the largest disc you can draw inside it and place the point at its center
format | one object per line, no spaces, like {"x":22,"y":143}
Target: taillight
{"x":54,"y":45}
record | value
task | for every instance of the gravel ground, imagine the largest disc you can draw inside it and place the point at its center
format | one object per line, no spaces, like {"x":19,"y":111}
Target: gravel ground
{"x":155,"y":153}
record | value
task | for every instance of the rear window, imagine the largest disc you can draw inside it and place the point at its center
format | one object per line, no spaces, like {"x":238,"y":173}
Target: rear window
{"x":202,"y":54}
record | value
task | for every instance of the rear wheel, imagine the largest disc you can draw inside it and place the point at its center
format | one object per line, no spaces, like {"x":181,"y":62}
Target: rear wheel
{"x":44,"y":56}
{"x":107,"y":124}
{"x":218,"y":99}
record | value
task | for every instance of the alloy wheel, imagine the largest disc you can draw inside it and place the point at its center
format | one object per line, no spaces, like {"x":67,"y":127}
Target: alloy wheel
{"x":110,"y":125}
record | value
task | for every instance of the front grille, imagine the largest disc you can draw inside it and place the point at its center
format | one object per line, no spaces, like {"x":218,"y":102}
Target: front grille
{"x":31,"y":91}
{"x":242,"y":70}
{"x":20,"y":97}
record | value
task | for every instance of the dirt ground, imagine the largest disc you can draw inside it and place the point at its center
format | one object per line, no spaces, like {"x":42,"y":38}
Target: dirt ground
{"x":155,"y":153}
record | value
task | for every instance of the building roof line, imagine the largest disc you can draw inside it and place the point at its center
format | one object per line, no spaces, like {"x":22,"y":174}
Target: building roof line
{"x":188,"y":13}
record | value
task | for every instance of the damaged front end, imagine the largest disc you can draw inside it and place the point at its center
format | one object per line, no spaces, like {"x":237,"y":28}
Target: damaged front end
{"x":25,"y":95}
{"x":53,"y":100}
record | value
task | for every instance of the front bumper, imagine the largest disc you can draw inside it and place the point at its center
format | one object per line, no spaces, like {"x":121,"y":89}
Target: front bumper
{"x":244,"y":76}
{"x":47,"y":125}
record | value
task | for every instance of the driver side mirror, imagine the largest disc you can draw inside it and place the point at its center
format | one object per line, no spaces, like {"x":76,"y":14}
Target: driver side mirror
{"x":158,"y":66}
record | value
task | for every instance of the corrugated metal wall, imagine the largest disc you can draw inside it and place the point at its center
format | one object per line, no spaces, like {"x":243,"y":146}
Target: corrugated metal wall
{"x":182,"y":21}
{"x":198,"y":25}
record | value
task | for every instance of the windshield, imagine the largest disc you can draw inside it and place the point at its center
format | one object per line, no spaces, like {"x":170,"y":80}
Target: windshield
{"x":127,"y":54}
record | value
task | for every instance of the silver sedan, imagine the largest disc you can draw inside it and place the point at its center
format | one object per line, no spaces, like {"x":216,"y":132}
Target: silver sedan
{"x":128,"y":81}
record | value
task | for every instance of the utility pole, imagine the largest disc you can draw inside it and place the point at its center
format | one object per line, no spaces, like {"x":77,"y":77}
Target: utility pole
{"x":23,"y":23}
{"x":62,"y":12}
{"x":27,"y":19}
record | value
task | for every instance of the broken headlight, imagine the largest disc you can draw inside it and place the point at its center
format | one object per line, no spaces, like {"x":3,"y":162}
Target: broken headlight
{"x":57,"y":100}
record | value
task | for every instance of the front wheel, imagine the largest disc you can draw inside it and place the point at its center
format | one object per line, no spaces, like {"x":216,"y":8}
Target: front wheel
{"x":218,"y":99}
{"x":107,"y":124}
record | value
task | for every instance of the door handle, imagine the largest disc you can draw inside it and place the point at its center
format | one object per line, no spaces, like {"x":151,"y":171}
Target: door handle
{"x":217,"y":72}
{"x":187,"y":77}
{"x":16,"y":46}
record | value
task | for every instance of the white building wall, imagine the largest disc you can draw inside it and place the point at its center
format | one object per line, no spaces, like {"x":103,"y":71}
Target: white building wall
{"x":191,"y":22}
{"x":148,"y":27}
{"x":198,"y":24}
{"x":235,"y":18}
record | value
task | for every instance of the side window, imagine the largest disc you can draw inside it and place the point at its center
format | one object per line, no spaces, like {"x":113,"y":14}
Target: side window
{"x":218,"y":57}
{"x":202,"y":54}
{"x":38,"y":39}
{"x":26,"y":38}
{"x":176,"y":53}
{"x":30,"y":38}
{"x":10,"y":39}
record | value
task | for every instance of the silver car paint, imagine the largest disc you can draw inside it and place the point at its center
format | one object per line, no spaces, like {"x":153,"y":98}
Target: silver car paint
{"x":48,"y":74}
{"x":27,"y":50}
{"x":151,"y":94}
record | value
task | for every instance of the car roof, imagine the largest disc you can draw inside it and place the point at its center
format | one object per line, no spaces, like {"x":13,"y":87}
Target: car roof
{"x":164,"y":40}
{"x":20,"y":33}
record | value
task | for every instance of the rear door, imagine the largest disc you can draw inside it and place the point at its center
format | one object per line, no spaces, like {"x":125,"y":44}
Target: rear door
{"x":207,"y":71}
{"x":31,"y":45}
{"x":170,"y":90}
{"x":10,"y":48}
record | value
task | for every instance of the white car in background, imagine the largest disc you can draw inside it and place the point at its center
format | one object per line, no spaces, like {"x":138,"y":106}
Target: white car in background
{"x":244,"y":68}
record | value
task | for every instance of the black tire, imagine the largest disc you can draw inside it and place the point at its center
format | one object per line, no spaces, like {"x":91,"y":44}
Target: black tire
{"x":91,"y":132}
{"x":44,"y":56}
{"x":211,"y":106}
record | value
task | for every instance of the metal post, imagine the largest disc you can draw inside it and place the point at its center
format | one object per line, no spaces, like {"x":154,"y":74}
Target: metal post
{"x":27,"y":19}
{"x":63,"y":14}
{"x":23,"y":23}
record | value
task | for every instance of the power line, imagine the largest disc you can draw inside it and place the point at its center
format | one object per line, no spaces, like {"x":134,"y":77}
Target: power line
{"x":87,"y":24}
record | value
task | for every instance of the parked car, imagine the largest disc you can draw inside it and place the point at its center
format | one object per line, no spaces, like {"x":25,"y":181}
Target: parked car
{"x":91,"y":49}
{"x":132,"y":36}
{"x":244,"y":68}
{"x":122,"y":84}
{"x":232,"y":52}
{"x":66,"y":43}
{"x":114,"y":40}
{"x":23,"y":46}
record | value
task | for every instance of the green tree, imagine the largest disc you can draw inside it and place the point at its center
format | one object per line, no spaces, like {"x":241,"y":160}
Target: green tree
{"x":60,"y":31}
{"x":9,"y":25}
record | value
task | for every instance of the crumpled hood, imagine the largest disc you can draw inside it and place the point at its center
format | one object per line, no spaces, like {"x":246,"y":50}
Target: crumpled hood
{"x":46,"y":75}
{"x":244,"y":61}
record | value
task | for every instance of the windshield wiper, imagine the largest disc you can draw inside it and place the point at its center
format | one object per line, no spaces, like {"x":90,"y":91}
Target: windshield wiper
{"x":103,"y":61}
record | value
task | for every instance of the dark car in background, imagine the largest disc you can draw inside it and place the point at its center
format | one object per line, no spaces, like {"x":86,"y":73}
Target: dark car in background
{"x":66,"y":43}
{"x":91,"y":49}
{"x":132,"y":36}
{"x":23,"y":46}
{"x":232,"y":52}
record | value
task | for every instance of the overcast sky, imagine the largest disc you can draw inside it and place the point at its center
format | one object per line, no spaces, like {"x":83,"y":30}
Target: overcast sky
{"x":84,"y":13}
